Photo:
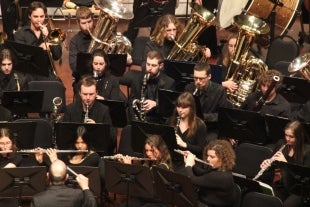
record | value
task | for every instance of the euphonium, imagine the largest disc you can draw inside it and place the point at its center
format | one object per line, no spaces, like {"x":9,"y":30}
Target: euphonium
{"x":186,"y":47}
{"x":137,"y":105}
{"x":300,"y":65}
{"x":244,"y":70}
{"x":102,"y":36}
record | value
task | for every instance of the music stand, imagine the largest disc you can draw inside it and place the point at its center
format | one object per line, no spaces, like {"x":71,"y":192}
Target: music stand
{"x":294,"y":89}
{"x":142,"y":130}
{"x":173,"y":188}
{"x":132,"y":180}
{"x":245,"y":126}
{"x":275,"y":127}
{"x":21,"y":102}
{"x":300,"y":176}
{"x":97,"y":136}
{"x":22,"y":181}
{"x":92,"y":173}
{"x":167,"y":102}
{"x":117,"y":63}
{"x":182,"y":72}
{"x":22,"y":132}
{"x":31,"y":59}
{"x":117,"y":111}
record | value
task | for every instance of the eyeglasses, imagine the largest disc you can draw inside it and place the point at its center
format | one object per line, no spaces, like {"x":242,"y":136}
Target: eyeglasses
{"x":5,"y":143}
{"x":199,"y":78}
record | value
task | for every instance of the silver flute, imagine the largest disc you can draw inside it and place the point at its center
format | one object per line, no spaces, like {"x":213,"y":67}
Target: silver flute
{"x":119,"y":156}
{"x":262,"y":170}
{"x":33,"y":151}
{"x":196,"y":159}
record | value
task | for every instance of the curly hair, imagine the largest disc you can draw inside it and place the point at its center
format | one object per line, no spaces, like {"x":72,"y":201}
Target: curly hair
{"x":158,"y":34}
{"x":156,"y":141}
{"x":224,"y":152}
{"x":267,"y":77}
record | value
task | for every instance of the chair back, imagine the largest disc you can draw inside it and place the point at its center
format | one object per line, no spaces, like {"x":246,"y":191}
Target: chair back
{"x":249,"y":157}
{"x":255,"y":199}
{"x":51,"y":90}
{"x":282,"y":48}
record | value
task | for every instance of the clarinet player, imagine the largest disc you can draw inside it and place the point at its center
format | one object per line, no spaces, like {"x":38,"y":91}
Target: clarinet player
{"x":295,"y":150}
{"x":144,"y":90}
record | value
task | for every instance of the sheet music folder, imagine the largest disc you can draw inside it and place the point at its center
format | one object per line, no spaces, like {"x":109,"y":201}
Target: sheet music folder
{"x":117,"y":111}
{"x":117,"y":63}
{"x":31,"y":59}
{"x":295,"y":89}
{"x":182,"y":72}
{"x":21,"y":102}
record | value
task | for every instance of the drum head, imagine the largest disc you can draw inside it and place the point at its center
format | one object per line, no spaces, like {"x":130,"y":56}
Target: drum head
{"x":227,"y":9}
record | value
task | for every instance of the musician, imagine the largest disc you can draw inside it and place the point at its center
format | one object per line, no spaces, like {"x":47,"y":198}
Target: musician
{"x":7,"y":143}
{"x":157,"y":79}
{"x":225,"y":60}
{"x":58,"y":194}
{"x":275,"y":103}
{"x":10,"y":79}
{"x":211,"y":95}
{"x":167,"y":29}
{"x":154,"y":148}
{"x":35,"y":33}
{"x":296,"y":151}
{"x":216,"y":185}
{"x":190,"y":129}
{"x":10,"y":17}
{"x":86,"y":109}
{"x":107,"y":84}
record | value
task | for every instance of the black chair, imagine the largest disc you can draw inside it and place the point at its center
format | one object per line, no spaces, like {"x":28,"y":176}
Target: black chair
{"x":255,"y":199}
{"x":51,"y":90}
{"x":138,"y":50}
{"x":282,"y":48}
{"x":124,"y":146}
{"x":282,"y":66}
{"x":128,"y":78}
{"x":249,"y":157}
{"x":238,"y":196}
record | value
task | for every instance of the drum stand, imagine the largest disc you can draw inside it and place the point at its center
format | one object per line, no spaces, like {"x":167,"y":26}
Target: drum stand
{"x":272,"y":17}
{"x":303,"y":36}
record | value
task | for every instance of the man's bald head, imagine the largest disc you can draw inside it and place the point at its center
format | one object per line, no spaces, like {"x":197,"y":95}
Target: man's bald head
{"x":58,"y":172}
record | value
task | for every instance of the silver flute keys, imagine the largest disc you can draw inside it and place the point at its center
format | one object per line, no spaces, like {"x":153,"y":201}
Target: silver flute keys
{"x":196,"y":159}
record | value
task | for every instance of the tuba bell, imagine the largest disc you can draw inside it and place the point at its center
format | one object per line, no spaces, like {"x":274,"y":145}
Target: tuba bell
{"x":103,"y":36}
{"x":244,"y":70}
{"x":300,"y":65}
{"x":186,"y":47}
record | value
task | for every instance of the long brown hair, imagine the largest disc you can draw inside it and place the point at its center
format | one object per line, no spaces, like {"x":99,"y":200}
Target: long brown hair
{"x":5,"y":132}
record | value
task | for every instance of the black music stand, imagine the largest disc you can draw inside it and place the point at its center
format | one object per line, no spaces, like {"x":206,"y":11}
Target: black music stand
{"x":22,"y":132}
{"x":167,"y":102}
{"x":295,"y":89}
{"x":275,"y":127}
{"x":300,"y":176}
{"x":22,"y":181}
{"x":131,"y":180}
{"x":117,"y":63}
{"x":173,"y":188}
{"x":142,"y":130}
{"x":31,"y":59}
{"x":182,"y":72}
{"x":244,"y":126}
{"x":92,"y":173}
{"x":22,"y":102}
{"x":97,"y":136}
{"x":117,"y":111}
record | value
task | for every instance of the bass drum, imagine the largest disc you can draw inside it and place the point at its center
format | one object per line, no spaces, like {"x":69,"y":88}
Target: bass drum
{"x":285,"y":13}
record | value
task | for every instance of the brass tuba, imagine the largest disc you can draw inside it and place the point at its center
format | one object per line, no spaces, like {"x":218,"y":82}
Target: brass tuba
{"x":242,"y":69}
{"x":300,"y":65}
{"x":186,"y":47}
{"x":103,"y":36}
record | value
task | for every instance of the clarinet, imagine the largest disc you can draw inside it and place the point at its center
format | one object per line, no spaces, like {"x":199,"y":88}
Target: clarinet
{"x":86,"y":113}
{"x":177,"y":125}
{"x":17,"y":81}
{"x":266,"y":168}
{"x":137,"y":104}
{"x":262,"y":99}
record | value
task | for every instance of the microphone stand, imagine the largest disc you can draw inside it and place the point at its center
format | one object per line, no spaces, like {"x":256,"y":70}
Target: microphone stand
{"x":272,"y":17}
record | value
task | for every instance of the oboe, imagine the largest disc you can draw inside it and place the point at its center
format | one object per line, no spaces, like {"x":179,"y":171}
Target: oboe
{"x":196,"y":159}
{"x":266,"y":168}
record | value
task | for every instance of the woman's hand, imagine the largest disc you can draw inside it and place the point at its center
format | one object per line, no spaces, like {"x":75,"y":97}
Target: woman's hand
{"x":279,"y":157}
{"x":265,"y":164}
{"x":180,"y":142}
{"x":189,"y":159}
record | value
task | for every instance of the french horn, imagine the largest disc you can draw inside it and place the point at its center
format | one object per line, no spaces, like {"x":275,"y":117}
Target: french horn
{"x":300,"y":65}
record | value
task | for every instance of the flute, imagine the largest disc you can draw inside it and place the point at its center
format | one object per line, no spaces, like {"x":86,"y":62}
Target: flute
{"x":196,"y":159}
{"x":30,"y":151}
{"x":119,"y":156}
{"x":266,"y":168}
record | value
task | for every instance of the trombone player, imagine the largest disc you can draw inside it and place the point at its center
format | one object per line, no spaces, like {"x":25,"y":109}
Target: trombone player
{"x":36,"y":34}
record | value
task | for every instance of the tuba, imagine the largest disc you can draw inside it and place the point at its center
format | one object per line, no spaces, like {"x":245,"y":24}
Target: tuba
{"x":300,"y":65}
{"x":102,"y":36}
{"x":186,"y":47}
{"x":242,"y":69}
